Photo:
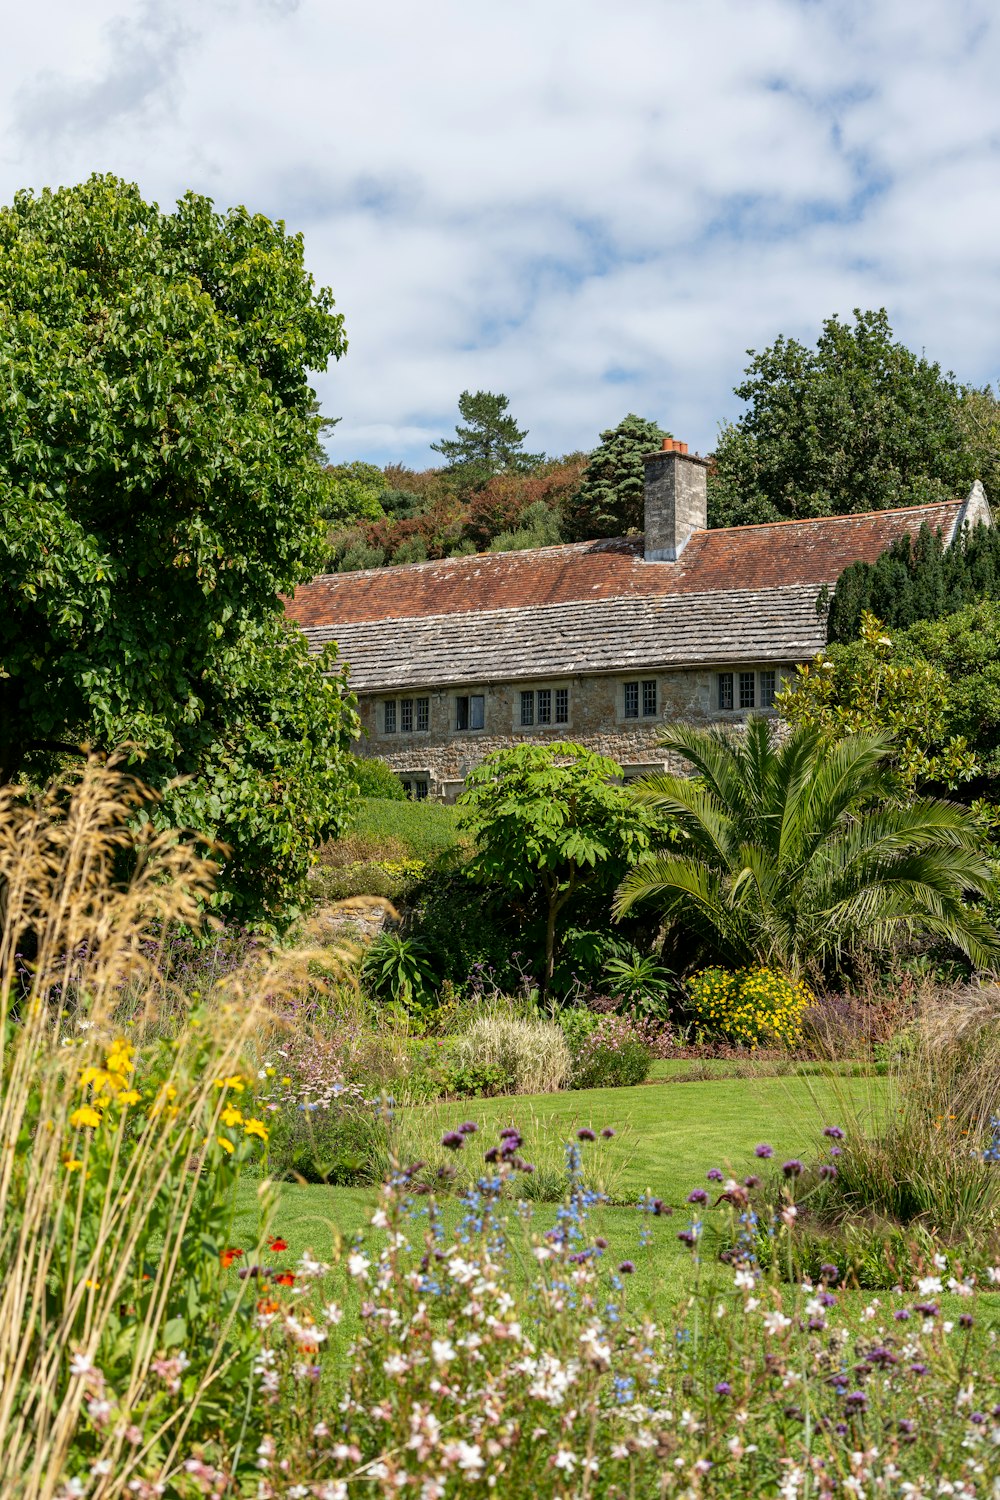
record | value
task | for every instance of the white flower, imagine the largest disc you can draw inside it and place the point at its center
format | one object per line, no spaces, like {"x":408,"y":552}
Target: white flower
{"x":565,"y":1459}
{"x":102,"y":1467}
{"x":379,"y":1220}
{"x":791,"y":1484}
{"x":542,"y":1252}
{"x":395,"y":1365}
{"x":993,"y":1274}
{"x":928,"y":1285}
{"x":442,"y":1351}
{"x":332,"y":1313}
{"x":776,"y":1322}
{"x":470,"y":1459}
{"x":941,"y":1261}
{"x":745,"y":1280}
{"x":358,"y":1265}
{"x":80,"y":1364}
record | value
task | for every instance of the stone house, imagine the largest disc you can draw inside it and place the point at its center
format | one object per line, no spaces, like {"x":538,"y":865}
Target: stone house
{"x":599,"y":642}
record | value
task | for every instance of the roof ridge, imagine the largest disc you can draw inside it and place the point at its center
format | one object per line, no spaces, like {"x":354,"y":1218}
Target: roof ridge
{"x":853,"y":515}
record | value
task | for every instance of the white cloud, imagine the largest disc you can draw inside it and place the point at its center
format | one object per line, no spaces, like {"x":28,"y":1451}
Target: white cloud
{"x":594,"y":209}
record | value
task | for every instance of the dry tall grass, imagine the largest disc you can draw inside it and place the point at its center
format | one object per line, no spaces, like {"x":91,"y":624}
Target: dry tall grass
{"x":95,"y":1222}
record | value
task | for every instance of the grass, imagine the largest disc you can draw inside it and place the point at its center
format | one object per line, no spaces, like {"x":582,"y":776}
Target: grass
{"x":429,"y":829}
{"x":673,"y":1137}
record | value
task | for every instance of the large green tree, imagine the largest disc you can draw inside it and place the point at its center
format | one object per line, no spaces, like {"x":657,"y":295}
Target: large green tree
{"x":490,"y":442}
{"x":609,"y":501}
{"x":857,"y":423}
{"x":793,"y":853}
{"x":160,"y":490}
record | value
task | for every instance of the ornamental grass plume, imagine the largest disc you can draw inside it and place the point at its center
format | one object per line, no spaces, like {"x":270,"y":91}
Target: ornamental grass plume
{"x":118,"y":1155}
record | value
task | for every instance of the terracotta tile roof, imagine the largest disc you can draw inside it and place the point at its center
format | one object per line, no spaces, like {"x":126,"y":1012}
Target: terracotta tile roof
{"x":786,"y":554}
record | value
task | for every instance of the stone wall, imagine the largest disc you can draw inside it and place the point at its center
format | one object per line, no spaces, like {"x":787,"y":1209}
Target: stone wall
{"x":444,"y":756}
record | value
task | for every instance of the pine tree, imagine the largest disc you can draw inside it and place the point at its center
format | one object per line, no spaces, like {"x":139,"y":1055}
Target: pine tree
{"x":610,"y":499}
{"x":491,"y":442}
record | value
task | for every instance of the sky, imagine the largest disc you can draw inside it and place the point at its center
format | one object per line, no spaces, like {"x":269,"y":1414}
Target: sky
{"x":593,"y":207}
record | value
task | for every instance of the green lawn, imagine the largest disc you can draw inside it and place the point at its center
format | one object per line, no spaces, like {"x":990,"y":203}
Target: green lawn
{"x":668,"y":1137}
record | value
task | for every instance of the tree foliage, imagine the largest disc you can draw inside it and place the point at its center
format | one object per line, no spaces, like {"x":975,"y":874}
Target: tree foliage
{"x":490,"y":443}
{"x":610,"y":498}
{"x":875,"y":687}
{"x":859,"y":423}
{"x":546,"y":819}
{"x":917,"y":578}
{"x":795,"y":855}
{"x":160,"y":490}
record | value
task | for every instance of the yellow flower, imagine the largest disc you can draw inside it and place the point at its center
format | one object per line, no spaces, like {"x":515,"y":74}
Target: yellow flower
{"x":129,"y":1096}
{"x":85,"y":1115}
{"x":72,"y":1164}
{"x":256,"y":1127}
{"x":231,"y":1116}
{"x":234,"y":1082}
{"x":227,"y":1146}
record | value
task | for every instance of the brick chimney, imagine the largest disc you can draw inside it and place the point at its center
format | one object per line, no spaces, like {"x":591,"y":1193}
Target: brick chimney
{"x":675,"y":500}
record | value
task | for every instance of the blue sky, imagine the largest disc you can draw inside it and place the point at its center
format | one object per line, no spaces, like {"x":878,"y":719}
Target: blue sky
{"x":594,"y":208}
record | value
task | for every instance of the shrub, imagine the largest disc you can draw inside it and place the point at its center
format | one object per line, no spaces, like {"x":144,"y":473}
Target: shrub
{"x":429,"y":830}
{"x":375,"y":779}
{"x":398,"y":970}
{"x":748,"y":1006}
{"x":608,"y":1051}
{"x":532,"y":1055}
{"x":341,"y":1142}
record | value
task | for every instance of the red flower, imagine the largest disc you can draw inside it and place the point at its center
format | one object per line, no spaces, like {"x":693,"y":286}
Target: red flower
{"x":277,"y":1244}
{"x":285,"y":1278}
{"x":228,"y":1256}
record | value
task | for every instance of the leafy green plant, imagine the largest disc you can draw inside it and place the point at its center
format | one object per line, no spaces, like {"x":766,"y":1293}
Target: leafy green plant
{"x":793,"y":854}
{"x":375,"y":779}
{"x":398,"y":969}
{"x":546,"y":818}
{"x":607,"y":1051}
{"x":640,"y":983}
{"x":343,"y":1142}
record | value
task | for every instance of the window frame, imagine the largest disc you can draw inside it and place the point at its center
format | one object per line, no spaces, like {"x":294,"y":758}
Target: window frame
{"x":548,"y":707}
{"x":764,"y":684}
{"x":470,"y":700}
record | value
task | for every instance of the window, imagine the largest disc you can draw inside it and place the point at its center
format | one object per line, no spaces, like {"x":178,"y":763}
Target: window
{"x":543,"y":706}
{"x":470,"y":711}
{"x":747,"y":689}
{"x":416,"y":787}
{"x":399,"y":716}
{"x":641,"y":694}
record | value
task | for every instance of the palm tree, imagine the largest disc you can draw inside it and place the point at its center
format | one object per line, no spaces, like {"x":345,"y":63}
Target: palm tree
{"x":792,"y":854}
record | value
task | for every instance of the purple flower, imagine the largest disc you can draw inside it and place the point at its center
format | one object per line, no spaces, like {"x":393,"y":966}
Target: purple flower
{"x":687,"y":1238}
{"x":926,"y":1309}
{"x":751,"y":1182}
{"x":697,"y":1195}
{"x":607,"y":1132}
{"x":836,"y":1151}
{"x":857,"y":1400}
{"x":834,"y":1132}
{"x":966,"y":1320}
{"x":658,"y":1207}
{"x":978,"y":1417}
{"x":723,"y":1388}
{"x":763,"y":1150}
{"x":509,"y":1130}
{"x":792,"y":1168}
{"x":829,"y":1272}
{"x":491,"y":1155}
{"x":827,"y":1171}
{"x":627,"y":1267}
{"x":468,"y":1128}
{"x":901,"y":1314}
{"x":586,"y":1134}
{"x":713,"y":1174}
{"x":452,"y":1140}
{"x":919,"y":1369}
{"x":601,"y":1243}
